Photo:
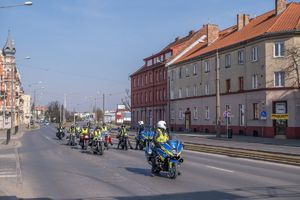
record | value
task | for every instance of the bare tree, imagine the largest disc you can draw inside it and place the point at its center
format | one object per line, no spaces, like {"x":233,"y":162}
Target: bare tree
{"x":127,"y":99}
{"x":292,"y":69}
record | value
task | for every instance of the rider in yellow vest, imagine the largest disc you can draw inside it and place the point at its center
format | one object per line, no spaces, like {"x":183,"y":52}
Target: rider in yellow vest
{"x":85,"y":130}
{"x":104,"y":127}
{"x":161,"y":136}
{"x":97,"y":133}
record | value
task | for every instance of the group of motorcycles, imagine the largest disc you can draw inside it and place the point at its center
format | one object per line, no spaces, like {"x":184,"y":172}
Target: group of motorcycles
{"x":97,"y":144}
{"x":167,"y":157}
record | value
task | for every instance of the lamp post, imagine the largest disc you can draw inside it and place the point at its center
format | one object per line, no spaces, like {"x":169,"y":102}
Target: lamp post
{"x":26,"y":3}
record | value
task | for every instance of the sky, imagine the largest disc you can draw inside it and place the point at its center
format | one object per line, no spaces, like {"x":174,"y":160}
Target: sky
{"x":83,"y":49}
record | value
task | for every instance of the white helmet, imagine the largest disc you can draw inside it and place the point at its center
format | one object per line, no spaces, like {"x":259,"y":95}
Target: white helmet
{"x":141,"y":123}
{"x":162,"y":125}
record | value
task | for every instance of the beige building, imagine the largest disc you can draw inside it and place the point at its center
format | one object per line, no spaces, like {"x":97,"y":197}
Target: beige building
{"x":259,"y":86}
{"x":26,"y":109}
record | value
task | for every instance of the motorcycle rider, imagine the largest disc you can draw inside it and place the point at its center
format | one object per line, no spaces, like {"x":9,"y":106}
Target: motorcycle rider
{"x":84,"y":131}
{"x":140,"y":129}
{"x":161,"y":136}
{"x":97,"y":133}
{"x":104,"y":127}
{"x":122,"y":133}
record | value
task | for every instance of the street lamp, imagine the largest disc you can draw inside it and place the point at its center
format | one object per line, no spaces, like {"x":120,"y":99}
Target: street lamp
{"x":27,"y":3}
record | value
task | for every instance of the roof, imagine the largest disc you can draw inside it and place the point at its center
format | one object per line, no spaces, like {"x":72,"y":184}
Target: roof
{"x":288,"y":20}
{"x":9,"y":47}
{"x":176,"y":47}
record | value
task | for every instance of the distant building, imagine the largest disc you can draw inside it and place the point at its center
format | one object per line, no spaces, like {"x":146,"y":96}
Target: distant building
{"x":123,"y":115}
{"x":26,"y":109}
{"x":110,"y":116}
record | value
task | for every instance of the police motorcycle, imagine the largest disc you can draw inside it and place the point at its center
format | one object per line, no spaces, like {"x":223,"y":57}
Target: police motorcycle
{"x":71,"y":137}
{"x":60,"y":134}
{"x":168,"y":156}
{"x":77,"y":131}
{"x":144,"y":138}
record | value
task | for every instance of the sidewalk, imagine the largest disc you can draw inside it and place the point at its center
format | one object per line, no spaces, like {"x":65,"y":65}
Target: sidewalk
{"x":284,"y":146}
{"x":10,"y":178}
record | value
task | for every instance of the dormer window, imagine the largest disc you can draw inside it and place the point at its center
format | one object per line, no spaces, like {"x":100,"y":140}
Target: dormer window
{"x":149,"y":62}
{"x":168,"y":55}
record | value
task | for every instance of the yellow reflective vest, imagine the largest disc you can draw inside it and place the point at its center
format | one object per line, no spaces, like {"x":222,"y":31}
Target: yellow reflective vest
{"x":85,"y":131}
{"x":162,"y":137}
{"x":104,"y":128}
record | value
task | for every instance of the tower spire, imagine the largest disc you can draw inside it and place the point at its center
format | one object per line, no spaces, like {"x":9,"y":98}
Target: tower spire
{"x":9,"y":48}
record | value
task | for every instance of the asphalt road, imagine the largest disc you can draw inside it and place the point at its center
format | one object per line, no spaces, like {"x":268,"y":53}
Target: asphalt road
{"x":51,"y":169}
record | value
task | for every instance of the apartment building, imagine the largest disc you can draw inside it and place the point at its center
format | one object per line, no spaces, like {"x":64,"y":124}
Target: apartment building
{"x":149,"y":92}
{"x":259,"y":77}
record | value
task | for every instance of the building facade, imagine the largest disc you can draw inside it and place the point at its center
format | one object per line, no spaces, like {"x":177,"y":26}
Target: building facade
{"x":26,"y":109}
{"x":259,"y":77}
{"x":149,"y":92}
{"x":11,"y":89}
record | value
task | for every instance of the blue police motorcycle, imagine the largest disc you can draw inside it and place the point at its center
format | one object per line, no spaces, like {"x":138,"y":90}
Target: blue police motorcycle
{"x":168,"y":156}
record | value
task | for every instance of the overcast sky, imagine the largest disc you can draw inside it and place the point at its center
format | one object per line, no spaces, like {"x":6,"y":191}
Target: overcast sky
{"x":89,"y":47}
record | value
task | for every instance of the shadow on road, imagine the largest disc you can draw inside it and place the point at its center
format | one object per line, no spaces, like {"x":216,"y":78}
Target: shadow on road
{"x":140,"y":171}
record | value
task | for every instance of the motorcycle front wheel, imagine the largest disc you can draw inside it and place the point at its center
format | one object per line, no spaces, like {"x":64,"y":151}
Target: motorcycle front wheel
{"x":173,"y":171}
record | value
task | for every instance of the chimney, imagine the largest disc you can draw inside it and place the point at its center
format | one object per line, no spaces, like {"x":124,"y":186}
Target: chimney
{"x":191,"y":32}
{"x":176,"y":39}
{"x":242,"y":20}
{"x":280,"y":6}
{"x":212,"y":32}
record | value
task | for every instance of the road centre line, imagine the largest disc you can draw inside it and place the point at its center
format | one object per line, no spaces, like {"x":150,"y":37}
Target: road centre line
{"x":8,"y":176}
{"x":220,"y":169}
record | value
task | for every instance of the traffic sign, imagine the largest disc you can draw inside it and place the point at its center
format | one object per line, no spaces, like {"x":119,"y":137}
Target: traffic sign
{"x":263,"y":115}
{"x":226,"y":114}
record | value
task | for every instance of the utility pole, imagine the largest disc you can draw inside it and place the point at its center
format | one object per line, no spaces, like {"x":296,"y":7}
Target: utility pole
{"x":218,"y":110}
{"x":12,"y":117}
{"x":65,"y":107}
{"x":103,"y":107}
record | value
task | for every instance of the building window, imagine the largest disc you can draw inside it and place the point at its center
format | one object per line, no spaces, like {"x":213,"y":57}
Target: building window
{"x":146,"y":97}
{"x":150,"y":97}
{"x":241,"y":83}
{"x":254,"y":54}
{"x":255,"y":81}
{"x":173,"y":114}
{"x":165,"y":74}
{"x":278,"y":49}
{"x":206,"y":89}
{"x":241,"y":57}
{"x":168,"y":55}
{"x":206,"y":112}
{"x":279,"y":79}
{"x":172,"y":94}
{"x":161,"y":59}
{"x":160,"y":95}
{"x":179,"y":72}
{"x":180,"y":114}
{"x":228,"y":86}
{"x":164,"y":94}
{"x":195,"y":113}
{"x":172,"y":75}
{"x":227,"y":60}
{"x":161,"y":75}
{"x":149,"y":62}
{"x":195,"y":90}
{"x":146,"y":79}
{"x":194,"y":69}
{"x":180,"y":93}
{"x":150,"y":77}
{"x":187,"y":92}
{"x":242,"y":115}
{"x":187,"y":73}
{"x":255,"y":111}
{"x":206,"y":66}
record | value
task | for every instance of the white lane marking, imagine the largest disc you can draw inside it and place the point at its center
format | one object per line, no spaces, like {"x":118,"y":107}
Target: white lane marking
{"x":18,"y":167}
{"x":220,"y":169}
{"x":8,"y":156}
{"x":8,"y":176}
{"x":209,"y":154}
{"x":47,"y":138}
{"x":7,"y":172}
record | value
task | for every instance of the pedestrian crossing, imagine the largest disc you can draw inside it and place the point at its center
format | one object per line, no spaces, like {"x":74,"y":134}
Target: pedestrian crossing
{"x":8,"y":165}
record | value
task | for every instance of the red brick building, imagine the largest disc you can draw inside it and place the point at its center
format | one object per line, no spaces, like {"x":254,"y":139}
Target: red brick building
{"x":149,"y":92}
